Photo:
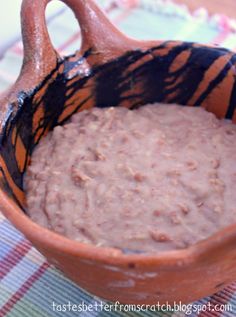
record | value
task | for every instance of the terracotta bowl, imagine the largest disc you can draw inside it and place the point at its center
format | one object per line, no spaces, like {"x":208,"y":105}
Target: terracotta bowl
{"x":112,"y":70}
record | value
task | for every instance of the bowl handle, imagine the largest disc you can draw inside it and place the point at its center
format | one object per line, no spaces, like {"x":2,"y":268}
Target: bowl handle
{"x":98,"y":34}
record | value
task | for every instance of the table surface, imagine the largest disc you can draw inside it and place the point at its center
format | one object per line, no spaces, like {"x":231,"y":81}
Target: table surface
{"x":227,"y":7}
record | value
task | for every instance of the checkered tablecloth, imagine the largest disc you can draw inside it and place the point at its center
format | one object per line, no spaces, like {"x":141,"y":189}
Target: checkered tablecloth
{"x":29,"y":286}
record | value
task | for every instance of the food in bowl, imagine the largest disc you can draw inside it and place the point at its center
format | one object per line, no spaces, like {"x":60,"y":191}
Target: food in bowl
{"x":157,"y":178}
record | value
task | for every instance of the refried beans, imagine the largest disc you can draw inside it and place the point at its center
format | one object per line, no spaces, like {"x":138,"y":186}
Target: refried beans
{"x":157,"y":178}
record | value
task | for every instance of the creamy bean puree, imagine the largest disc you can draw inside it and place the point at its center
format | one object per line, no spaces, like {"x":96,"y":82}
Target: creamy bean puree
{"x":157,"y":178}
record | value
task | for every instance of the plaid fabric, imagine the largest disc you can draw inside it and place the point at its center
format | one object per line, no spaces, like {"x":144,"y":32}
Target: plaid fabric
{"x":29,"y":286}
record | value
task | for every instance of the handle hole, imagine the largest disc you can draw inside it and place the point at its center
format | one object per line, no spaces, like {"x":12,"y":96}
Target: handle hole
{"x":63,"y":28}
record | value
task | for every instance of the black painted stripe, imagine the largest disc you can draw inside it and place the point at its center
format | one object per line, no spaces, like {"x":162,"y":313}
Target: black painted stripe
{"x":232,"y":104}
{"x":216,"y":81}
{"x":8,"y":188}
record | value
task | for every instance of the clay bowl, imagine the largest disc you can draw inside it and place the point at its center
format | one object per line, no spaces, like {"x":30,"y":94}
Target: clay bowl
{"x":112,"y":70}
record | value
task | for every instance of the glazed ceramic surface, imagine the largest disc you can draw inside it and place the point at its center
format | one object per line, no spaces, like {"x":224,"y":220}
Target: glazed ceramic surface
{"x":112,"y":70}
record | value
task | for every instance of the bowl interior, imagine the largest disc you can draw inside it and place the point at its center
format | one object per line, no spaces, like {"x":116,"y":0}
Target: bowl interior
{"x":170,"y":72}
